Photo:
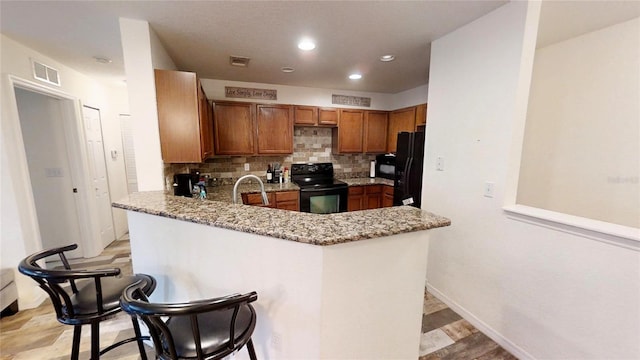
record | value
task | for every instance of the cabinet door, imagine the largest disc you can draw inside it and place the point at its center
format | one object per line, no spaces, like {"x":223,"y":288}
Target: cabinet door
{"x":233,"y":128}
{"x":206,"y":125}
{"x":328,"y":116}
{"x":256,"y":199}
{"x":178,"y":116}
{"x":349,"y":132}
{"x":400,"y":120}
{"x":421,"y":115}
{"x":387,"y":196}
{"x":275,"y":129}
{"x":305,"y":115}
{"x":375,"y":131}
{"x":373,"y":196}
{"x":355,"y":199}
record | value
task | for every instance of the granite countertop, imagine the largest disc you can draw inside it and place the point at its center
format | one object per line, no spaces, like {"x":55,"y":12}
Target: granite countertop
{"x":317,"y":229}
{"x":368,"y":181}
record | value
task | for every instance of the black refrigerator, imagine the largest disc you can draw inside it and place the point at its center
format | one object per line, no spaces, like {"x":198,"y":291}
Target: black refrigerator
{"x":409,"y":159}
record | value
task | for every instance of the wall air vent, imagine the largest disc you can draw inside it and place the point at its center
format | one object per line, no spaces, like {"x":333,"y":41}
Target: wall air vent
{"x":45,"y":73}
{"x":241,"y":61}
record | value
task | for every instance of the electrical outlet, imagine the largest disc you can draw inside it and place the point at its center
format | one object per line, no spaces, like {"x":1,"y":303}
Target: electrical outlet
{"x":246,"y":167}
{"x":489,"y":189}
{"x":440,"y":163}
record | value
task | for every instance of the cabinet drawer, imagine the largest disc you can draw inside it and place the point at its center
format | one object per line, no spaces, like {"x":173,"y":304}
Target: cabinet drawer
{"x":373,"y":189}
{"x":356,"y":190}
{"x":289,"y":205}
{"x":286,"y":196}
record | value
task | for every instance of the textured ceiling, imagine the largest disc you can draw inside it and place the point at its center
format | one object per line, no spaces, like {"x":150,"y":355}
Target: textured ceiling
{"x":351,"y":35}
{"x":201,"y":35}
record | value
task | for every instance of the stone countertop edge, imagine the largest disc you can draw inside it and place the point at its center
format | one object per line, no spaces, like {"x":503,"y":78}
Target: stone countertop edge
{"x":314,"y":229}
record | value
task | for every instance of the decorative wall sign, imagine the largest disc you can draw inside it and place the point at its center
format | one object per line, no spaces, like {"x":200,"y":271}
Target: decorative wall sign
{"x":351,"y":100}
{"x":250,"y":93}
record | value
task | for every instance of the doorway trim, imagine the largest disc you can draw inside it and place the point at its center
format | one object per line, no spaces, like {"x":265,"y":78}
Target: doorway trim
{"x":78,"y":163}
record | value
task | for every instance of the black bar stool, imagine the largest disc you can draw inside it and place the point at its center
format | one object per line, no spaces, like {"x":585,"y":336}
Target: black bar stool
{"x":93,"y":296}
{"x":204,"y":329}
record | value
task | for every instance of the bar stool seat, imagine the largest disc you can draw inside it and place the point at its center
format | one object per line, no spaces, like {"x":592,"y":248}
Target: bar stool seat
{"x":91,"y":296}
{"x":203,"y":329}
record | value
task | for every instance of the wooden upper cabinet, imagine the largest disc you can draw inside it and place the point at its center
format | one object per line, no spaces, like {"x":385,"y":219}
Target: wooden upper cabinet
{"x":421,"y":115}
{"x":375,"y":131}
{"x":183,"y":122}
{"x":274,"y":124}
{"x":399,"y":121}
{"x":305,"y":115}
{"x":206,"y":124}
{"x":234,"y":129}
{"x":328,"y":116}
{"x":347,"y":138}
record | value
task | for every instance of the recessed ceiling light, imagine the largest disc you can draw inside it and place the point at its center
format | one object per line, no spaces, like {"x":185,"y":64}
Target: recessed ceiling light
{"x":287,"y":69}
{"x":306,"y":45}
{"x":102,"y":59}
{"x":355,"y":76}
{"x":387,"y":58}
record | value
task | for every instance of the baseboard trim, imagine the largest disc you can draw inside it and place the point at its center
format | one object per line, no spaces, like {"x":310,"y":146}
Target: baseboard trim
{"x":508,"y":345}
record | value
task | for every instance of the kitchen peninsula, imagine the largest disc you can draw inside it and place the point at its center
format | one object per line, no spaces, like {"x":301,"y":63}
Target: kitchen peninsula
{"x":337,"y":286}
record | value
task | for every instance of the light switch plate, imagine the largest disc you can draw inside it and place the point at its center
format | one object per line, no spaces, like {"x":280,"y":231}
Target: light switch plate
{"x":246,"y":167}
{"x":489,"y":189}
{"x":440,"y":163}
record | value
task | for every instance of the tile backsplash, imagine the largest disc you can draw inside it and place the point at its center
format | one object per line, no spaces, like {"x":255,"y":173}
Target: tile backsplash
{"x":310,"y":144}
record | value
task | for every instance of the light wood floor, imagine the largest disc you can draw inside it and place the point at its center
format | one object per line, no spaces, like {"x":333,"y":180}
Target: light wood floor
{"x":36,"y":334}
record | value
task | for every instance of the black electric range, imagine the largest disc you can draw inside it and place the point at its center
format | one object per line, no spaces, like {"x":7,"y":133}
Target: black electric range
{"x":320,"y":193}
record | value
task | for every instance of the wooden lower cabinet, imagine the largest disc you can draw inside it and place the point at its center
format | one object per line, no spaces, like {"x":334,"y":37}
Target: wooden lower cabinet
{"x":288,"y":200}
{"x":373,"y":196}
{"x":387,"y":196}
{"x":285,"y":200}
{"x":355,"y":200}
{"x":365,"y":197}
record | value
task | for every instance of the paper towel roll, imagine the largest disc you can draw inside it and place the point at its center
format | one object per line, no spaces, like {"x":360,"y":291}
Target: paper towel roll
{"x":372,"y":169}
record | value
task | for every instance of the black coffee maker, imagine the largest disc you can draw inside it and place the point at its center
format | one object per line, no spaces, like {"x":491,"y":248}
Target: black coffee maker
{"x":183,"y":184}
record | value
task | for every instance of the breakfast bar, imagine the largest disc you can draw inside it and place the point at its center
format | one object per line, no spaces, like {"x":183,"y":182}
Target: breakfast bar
{"x":346,"y":285}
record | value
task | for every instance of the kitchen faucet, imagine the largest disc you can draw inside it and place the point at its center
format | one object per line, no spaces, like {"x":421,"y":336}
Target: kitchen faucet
{"x":265,"y":201}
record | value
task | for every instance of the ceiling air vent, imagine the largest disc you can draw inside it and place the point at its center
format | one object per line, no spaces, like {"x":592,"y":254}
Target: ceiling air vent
{"x":241,"y":61}
{"x":45,"y":73}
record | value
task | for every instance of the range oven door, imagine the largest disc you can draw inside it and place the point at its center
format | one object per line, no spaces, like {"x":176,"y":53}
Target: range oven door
{"x":323,"y":201}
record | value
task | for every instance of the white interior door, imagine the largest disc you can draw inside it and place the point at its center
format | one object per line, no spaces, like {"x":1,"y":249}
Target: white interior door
{"x":98,"y":172}
{"x":126,"y":127}
{"x":42,"y":125}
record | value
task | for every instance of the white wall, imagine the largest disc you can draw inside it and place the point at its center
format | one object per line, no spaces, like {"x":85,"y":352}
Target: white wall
{"x":19,"y":229}
{"x":410,"y":97}
{"x":540,"y":292}
{"x":117,"y":103}
{"x":581,"y":150}
{"x":142,"y":53}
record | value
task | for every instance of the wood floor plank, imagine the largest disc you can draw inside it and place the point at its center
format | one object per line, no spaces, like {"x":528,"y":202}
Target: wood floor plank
{"x":438,"y":319}
{"x":470,"y":347}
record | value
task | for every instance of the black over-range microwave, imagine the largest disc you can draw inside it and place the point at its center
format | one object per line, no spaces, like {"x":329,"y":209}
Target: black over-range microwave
{"x":386,"y":166}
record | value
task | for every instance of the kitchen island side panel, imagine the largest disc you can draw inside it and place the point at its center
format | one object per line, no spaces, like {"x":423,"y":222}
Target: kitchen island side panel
{"x":192,"y":261}
{"x":373,"y":291}
{"x":356,"y":300}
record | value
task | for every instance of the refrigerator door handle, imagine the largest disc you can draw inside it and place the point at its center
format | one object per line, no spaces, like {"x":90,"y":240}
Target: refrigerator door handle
{"x":407,"y":174}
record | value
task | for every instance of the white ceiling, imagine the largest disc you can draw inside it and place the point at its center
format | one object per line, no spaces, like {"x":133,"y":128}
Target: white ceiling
{"x":562,"y":20}
{"x":201,"y":35}
{"x":351,"y":35}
